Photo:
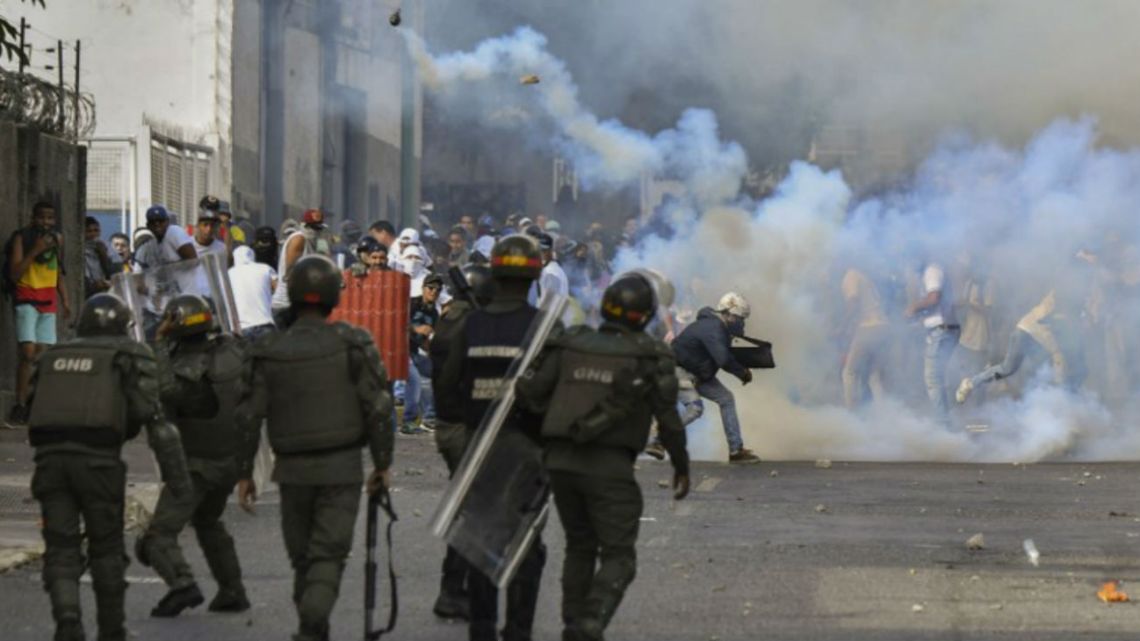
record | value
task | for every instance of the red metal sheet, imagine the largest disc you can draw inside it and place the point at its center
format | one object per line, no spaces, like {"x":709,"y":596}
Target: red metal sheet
{"x":379,"y":303}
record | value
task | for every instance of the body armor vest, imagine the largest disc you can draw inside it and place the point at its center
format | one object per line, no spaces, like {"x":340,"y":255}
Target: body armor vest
{"x":79,"y":389}
{"x":312,"y":392}
{"x":590,"y":363}
{"x":206,"y":421}
{"x":494,"y":340}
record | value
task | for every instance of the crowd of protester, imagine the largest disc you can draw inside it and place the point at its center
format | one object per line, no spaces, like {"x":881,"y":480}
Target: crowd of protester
{"x":971,"y":345}
{"x":259,"y":260}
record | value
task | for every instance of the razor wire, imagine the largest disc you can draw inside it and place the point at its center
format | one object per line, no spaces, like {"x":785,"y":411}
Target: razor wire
{"x":33,"y":101}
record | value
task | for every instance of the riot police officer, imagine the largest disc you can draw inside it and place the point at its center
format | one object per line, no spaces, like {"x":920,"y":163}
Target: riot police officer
{"x":325,"y":394}
{"x":201,"y":383}
{"x":90,"y":396}
{"x":477,"y":364}
{"x":450,"y":432}
{"x":600,"y":390}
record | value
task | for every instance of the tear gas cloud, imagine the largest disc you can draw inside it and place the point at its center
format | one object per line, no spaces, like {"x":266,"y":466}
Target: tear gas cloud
{"x":775,"y":70}
{"x":1005,"y":220}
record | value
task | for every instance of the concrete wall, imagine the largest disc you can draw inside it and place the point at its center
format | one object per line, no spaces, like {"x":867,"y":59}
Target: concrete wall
{"x":35,"y":167}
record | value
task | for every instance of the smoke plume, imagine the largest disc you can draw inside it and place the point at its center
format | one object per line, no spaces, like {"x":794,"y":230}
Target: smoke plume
{"x":1052,"y":214}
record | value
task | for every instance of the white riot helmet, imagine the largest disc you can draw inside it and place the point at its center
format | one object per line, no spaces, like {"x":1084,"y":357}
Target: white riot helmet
{"x":735,"y":304}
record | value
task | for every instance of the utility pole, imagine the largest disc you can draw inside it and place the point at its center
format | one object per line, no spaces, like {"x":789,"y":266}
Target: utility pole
{"x":23,"y":47}
{"x":62,"y":93}
{"x":75,"y":98}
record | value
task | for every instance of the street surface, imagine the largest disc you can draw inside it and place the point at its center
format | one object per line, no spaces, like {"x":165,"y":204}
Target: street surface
{"x":775,"y":551}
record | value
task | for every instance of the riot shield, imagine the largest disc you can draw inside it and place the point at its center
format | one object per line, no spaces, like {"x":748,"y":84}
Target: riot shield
{"x":378,"y":302}
{"x":497,"y":500}
{"x":148,"y":292}
{"x":756,"y":356}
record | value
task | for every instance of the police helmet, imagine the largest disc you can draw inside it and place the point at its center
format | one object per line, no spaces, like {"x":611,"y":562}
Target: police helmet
{"x":516,"y":256}
{"x":630,"y":300}
{"x":315,"y":280}
{"x":662,"y":287}
{"x":189,"y":315}
{"x":104,"y":315}
{"x":482,"y":285}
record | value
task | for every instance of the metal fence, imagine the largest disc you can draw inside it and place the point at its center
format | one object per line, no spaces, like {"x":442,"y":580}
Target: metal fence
{"x":179,"y":174}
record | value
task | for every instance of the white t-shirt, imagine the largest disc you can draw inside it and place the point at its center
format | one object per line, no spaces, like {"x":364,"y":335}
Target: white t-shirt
{"x":552,"y":279}
{"x":174,"y":238}
{"x":216,"y":247}
{"x":190,"y":281}
{"x":253,"y":293}
{"x":934,"y":280}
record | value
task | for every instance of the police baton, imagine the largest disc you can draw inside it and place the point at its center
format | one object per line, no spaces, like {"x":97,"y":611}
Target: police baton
{"x":380,"y":499}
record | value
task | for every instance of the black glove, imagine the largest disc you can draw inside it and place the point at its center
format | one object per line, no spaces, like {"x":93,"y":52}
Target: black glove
{"x":746,"y":377}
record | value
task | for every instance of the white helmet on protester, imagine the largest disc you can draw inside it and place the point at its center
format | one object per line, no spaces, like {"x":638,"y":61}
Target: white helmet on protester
{"x":735,"y":304}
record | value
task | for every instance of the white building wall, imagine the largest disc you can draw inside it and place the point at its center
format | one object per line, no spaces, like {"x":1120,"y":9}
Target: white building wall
{"x":158,"y":63}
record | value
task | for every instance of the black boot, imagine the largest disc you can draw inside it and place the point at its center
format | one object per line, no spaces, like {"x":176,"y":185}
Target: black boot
{"x":453,"y":601}
{"x":452,"y":605}
{"x":229,"y":600}
{"x":108,"y":577}
{"x":69,"y":630}
{"x":483,"y":631}
{"x":178,"y":600}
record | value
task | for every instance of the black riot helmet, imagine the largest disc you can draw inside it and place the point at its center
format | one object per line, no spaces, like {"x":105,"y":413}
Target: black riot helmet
{"x":516,"y":256}
{"x":188,"y":315}
{"x":480,"y":282}
{"x":104,"y":315}
{"x":315,"y":280}
{"x":629,"y":301}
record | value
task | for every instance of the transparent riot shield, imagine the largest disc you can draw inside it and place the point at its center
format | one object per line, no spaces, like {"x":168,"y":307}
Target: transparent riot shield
{"x":148,"y":292}
{"x":497,"y":500}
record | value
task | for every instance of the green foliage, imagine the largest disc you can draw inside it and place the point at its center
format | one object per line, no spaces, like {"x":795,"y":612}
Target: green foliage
{"x":10,"y":37}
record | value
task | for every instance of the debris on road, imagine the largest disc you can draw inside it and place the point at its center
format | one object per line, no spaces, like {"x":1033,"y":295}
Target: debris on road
{"x":821,"y":508}
{"x":1109,"y":593}
{"x":976,"y":542}
{"x":774,"y":473}
{"x":663,"y":483}
{"x":917,"y":607}
{"x":1115,"y":513}
{"x":1031,"y":552}
{"x":823,"y":463}
{"x":530,"y":79}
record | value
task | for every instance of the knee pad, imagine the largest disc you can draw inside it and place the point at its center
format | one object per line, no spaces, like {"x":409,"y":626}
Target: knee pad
{"x":109,"y":573}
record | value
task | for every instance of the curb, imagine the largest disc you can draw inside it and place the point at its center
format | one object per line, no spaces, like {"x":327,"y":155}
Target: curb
{"x":13,"y":558}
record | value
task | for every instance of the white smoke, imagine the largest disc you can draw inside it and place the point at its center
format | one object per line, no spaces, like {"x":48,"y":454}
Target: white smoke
{"x":1018,"y":215}
{"x":606,"y":152}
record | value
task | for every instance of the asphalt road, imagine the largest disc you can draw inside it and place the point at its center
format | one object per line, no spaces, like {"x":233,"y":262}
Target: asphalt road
{"x":775,"y":551}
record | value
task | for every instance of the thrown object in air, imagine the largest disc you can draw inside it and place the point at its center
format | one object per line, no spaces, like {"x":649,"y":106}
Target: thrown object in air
{"x":395,"y":18}
{"x":530,"y":79}
{"x":976,"y":542}
{"x":1109,"y":593}
{"x":1031,"y":552}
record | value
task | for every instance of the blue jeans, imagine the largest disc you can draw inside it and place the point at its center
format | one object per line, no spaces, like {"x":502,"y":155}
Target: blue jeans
{"x":418,"y":394}
{"x":940,"y":344}
{"x":716,"y":392}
